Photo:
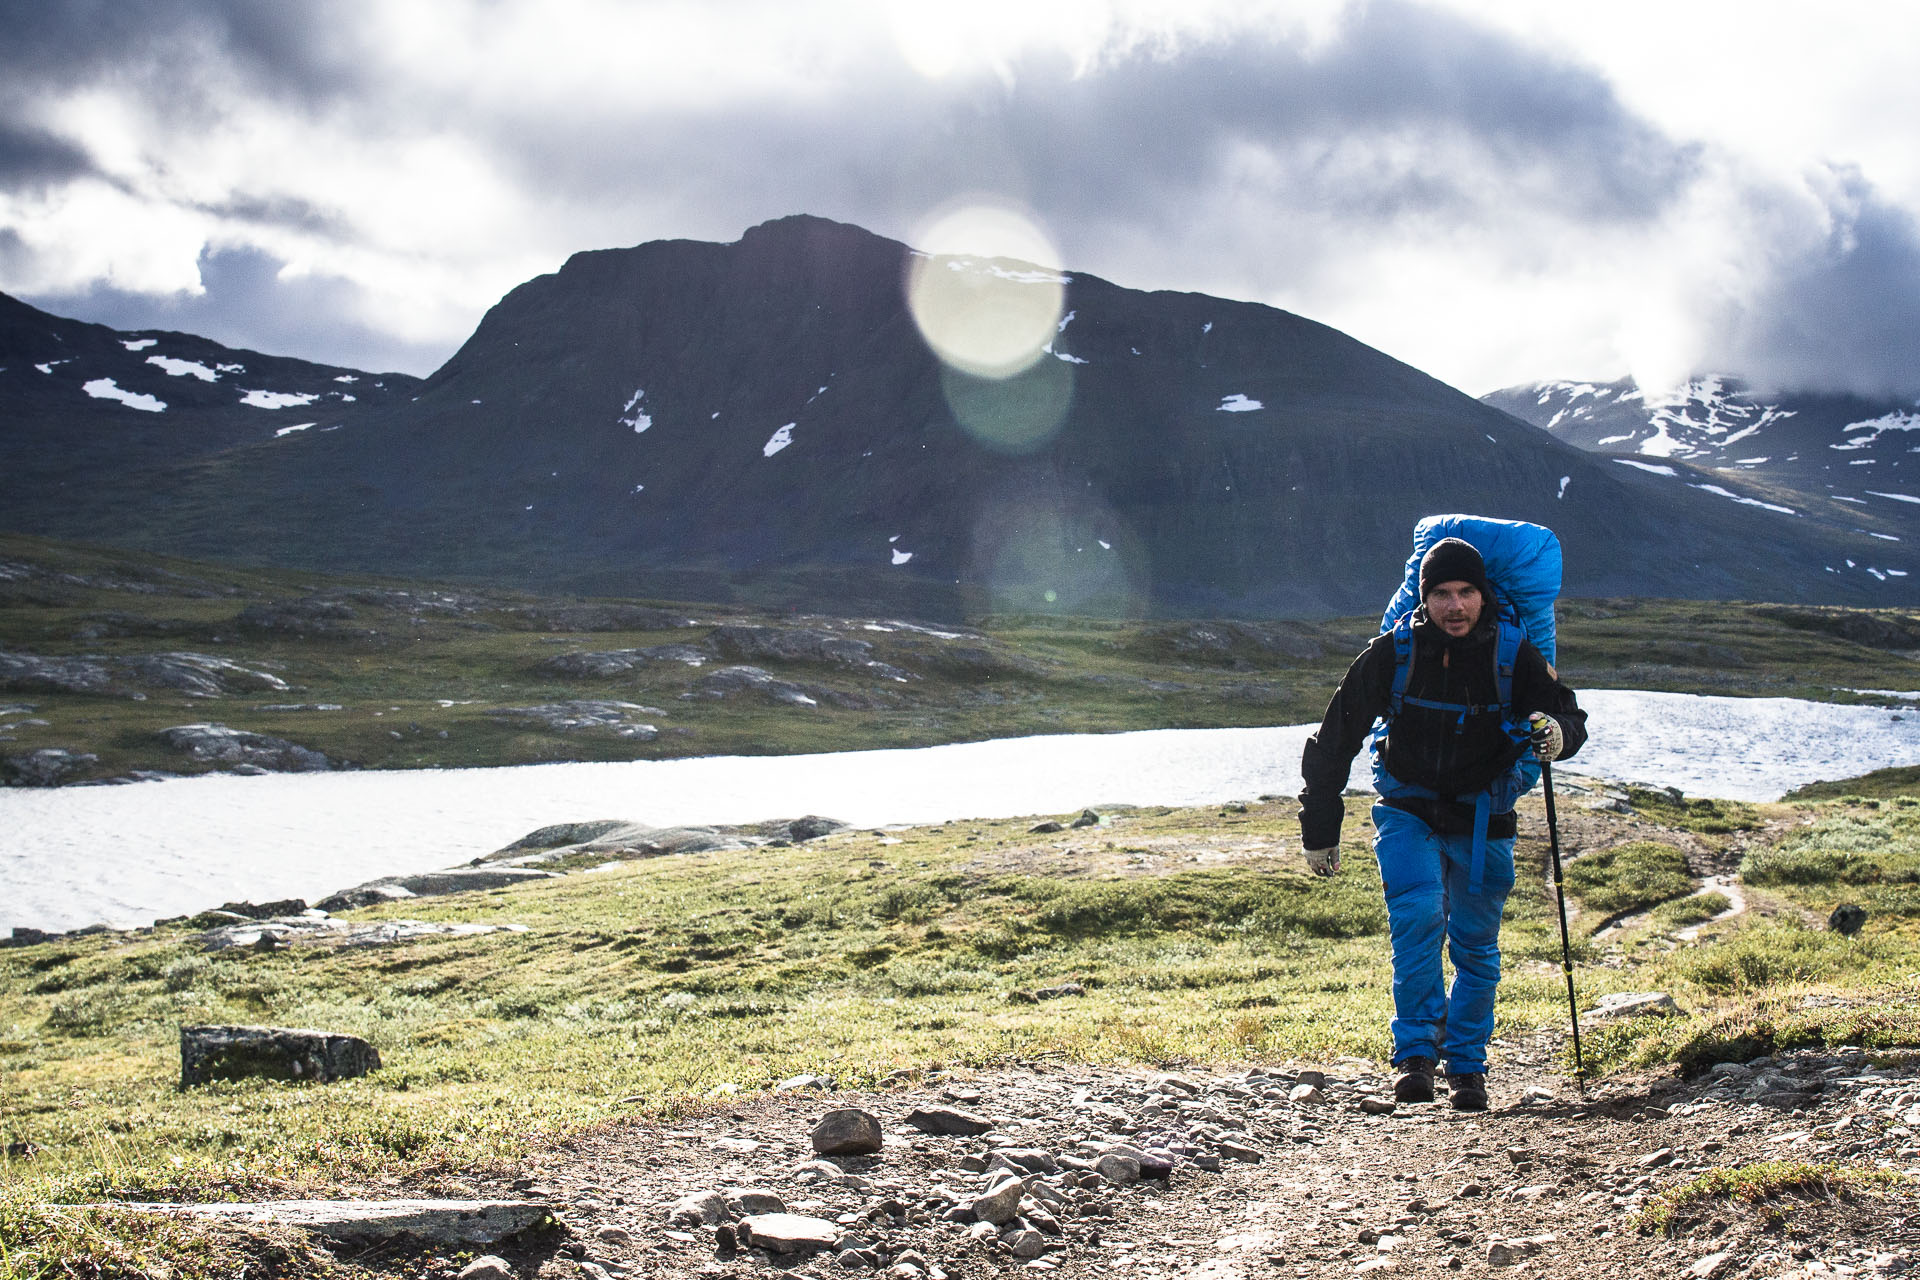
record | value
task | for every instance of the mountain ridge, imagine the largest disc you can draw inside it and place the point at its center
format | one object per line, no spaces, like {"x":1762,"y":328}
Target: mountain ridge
{"x":765,"y":420}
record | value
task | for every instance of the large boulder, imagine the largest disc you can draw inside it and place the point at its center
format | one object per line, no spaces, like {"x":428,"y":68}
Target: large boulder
{"x":242,"y":749}
{"x":271,"y":1053}
{"x":28,"y":673}
{"x":47,"y":767}
{"x":198,"y":675}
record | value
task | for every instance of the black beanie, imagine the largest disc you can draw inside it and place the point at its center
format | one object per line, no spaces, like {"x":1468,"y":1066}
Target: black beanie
{"x":1451,"y":560}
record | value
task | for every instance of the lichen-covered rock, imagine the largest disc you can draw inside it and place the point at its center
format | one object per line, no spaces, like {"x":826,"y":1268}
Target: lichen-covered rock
{"x":271,"y":1053}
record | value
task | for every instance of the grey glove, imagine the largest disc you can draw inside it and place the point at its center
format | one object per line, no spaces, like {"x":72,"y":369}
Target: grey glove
{"x":1324,"y":862}
{"x":1547,"y":739}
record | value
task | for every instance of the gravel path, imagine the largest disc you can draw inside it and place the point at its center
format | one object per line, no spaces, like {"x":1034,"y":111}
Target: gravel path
{"x":1277,"y":1172}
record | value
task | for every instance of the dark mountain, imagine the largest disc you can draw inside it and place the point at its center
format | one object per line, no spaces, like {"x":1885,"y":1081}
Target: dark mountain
{"x":87,"y":412}
{"x":764,"y":419}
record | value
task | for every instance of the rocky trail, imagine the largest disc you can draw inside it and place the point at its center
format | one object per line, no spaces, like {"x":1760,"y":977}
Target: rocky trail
{"x":1082,"y":1171}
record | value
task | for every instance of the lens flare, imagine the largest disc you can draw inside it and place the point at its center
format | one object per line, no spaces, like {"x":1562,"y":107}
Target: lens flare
{"x":1014,"y":415}
{"x":974,"y":290}
{"x":1035,"y":554}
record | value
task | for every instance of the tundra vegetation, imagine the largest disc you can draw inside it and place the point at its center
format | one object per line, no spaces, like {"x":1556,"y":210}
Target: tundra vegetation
{"x":667,"y":987}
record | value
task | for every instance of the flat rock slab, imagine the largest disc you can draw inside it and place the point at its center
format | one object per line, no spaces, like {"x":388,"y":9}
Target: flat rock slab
{"x":451,"y":1222}
{"x":272,"y":1053}
{"x":789,"y":1232}
{"x":1633,"y":1004}
{"x":285,"y":931}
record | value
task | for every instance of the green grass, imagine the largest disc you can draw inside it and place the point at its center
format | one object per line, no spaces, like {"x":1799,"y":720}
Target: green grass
{"x":1881,"y":784}
{"x":1867,"y":852}
{"x":1767,"y":1187}
{"x":1679,"y":913}
{"x":1628,"y":877}
{"x":666,"y":987}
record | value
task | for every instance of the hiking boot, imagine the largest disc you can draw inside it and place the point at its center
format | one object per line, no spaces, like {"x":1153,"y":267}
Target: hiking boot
{"x":1416,"y":1080}
{"x":1468,"y":1091}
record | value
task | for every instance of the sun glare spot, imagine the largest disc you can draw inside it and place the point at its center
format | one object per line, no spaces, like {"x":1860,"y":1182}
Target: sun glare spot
{"x":983,"y":291}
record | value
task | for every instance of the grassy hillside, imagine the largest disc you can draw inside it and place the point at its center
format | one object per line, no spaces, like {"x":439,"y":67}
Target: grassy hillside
{"x":384,"y":674}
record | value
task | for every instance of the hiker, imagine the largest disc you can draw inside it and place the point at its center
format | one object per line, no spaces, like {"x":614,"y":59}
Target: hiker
{"x":1448,"y":766}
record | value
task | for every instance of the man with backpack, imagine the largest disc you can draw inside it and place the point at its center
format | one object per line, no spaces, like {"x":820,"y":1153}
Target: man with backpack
{"x":1466,"y":703}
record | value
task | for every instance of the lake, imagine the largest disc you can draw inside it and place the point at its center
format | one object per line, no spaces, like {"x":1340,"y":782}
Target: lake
{"x":125,"y":855}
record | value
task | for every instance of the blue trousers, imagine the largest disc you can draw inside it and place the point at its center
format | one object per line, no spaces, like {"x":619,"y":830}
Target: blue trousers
{"x":1428,"y":902}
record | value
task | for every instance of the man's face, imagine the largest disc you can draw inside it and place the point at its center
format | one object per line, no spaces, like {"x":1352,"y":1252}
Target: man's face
{"x":1454,"y":607}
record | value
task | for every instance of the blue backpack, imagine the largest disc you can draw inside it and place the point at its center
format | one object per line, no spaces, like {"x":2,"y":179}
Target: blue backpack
{"x":1524,"y":568}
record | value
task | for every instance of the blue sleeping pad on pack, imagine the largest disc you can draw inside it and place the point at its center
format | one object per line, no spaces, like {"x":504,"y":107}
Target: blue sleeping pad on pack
{"x":1523,"y":567}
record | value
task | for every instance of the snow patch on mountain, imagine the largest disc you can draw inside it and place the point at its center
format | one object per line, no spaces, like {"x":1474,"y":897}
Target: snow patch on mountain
{"x":278,"y":399}
{"x":139,"y":344}
{"x":1238,"y":403}
{"x":184,"y":368}
{"x":634,"y":416}
{"x":1653,"y":467}
{"x":778,"y":440}
{"x":108,"y":389}
{"x":1861,"y":434}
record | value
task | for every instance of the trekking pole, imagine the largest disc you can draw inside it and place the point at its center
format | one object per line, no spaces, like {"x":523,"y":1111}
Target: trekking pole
{"x":1566,"y":948}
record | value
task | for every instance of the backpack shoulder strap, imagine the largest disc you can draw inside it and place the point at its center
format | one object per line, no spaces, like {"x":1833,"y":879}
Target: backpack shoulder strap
{"x":1402,"y":663}
{"x":1506,"y":655}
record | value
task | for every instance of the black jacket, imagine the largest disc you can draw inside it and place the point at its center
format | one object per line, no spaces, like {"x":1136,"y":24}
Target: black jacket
{"x":1429,"y":748}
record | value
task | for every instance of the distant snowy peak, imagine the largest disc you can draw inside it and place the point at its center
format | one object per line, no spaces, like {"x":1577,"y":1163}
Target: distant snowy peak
{"x":1716,"y":421}
{"x":1701,"y":420}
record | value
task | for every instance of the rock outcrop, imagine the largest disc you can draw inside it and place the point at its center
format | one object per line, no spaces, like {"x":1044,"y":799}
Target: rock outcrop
{"x":271,"y":1053}
{"x":242,"y":750}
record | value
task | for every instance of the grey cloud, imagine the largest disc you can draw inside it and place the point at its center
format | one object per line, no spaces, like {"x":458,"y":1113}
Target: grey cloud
{"x":169,"y":45}
{"x":247,"y":305}
{"x":1843,"y":315}
{"x":30,"y":159}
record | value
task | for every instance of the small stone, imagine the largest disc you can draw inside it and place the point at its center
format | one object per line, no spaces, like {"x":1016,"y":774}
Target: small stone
{"x":1232,"y":1150}
{"x":1654,"y":1159}
{"x":1087,"y":818}
{"x":700,"y":1209}
{"x":487,"y":1267}
{"x":1024,"y":1242}
{"x":1064,"y":989}
{"x":1377,"y":1106}
{"x":612,"y":1235}
{"x":1318,"y":1079}
{"x":1001,"y":1204}
{"x":1847,"y":919}
{"x":1470,"y":1190}
{"x":847,"y":1131}
{"x":1711,"y":1265}
{"x":1374,"y":1264}
{"x":794,"y":1083}
{"x":1045,"y":828}
{"x":1305,"y":1093}
{"x":949,"y":1121}
{"x":1118,"y":1169}
{"x":744,"y":1202}
{"x":851,"y":1260}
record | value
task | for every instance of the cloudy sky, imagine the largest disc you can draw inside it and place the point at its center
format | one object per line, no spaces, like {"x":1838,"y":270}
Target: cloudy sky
{"x":1496,"y":191}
